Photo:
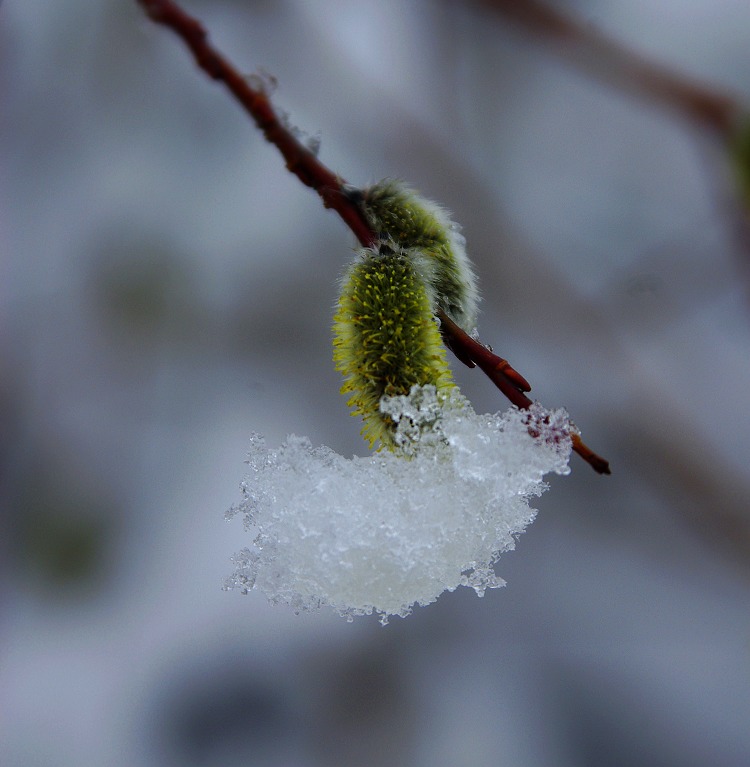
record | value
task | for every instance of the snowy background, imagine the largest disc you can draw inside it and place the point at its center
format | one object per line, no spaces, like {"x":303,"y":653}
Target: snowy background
{"x":167,"y":288}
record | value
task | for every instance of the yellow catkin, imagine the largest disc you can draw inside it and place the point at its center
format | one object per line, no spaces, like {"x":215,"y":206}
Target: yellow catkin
{"x":386,"y":339}
{"x":401,"y":216}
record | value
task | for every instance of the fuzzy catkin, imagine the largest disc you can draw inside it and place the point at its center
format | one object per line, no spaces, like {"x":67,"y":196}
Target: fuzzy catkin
{"x":385,"y":334}
{"x":400,"y":215}
{"x":386,"y":339}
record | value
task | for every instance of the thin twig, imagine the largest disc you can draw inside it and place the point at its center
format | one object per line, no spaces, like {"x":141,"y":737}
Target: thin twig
{"x":606,"y":60}
{"x":510,"y":382}
{"x":301,"y":161}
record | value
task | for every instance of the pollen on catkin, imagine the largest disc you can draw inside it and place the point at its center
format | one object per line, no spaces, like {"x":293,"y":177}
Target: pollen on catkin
{"x":386,"y":339}
{"x":399,"y":214}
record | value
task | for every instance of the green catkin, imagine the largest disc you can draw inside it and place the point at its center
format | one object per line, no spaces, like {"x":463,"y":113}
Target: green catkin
{"x":413,"y":223}
{"x":386,"y":339}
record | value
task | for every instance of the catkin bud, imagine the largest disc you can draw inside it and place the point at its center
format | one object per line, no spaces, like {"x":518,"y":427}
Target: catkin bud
{"x":413,"y":223}
{"x":386,"y":339}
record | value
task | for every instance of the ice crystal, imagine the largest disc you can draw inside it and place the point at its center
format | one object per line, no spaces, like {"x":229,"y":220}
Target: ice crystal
{"x":386,"y":532}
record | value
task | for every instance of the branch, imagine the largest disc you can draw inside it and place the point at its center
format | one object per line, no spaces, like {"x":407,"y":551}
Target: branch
{"x":612,"y":63}
{"x":299,"y":159}
{"x":510,"y":382}
{"x":305,"y":165}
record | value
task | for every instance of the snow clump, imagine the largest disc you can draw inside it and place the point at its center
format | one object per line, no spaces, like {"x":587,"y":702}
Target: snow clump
{"x":394,"y":529}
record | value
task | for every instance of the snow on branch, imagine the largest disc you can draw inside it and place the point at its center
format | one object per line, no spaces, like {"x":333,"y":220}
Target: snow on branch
{"x":450,"y":492}
{"x":331,"y":187}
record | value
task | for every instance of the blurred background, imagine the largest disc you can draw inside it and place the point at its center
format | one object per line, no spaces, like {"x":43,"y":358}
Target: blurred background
{"x":167,"y":288}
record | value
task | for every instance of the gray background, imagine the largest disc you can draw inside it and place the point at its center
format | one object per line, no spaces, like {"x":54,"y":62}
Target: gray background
{"x":167,"y":288}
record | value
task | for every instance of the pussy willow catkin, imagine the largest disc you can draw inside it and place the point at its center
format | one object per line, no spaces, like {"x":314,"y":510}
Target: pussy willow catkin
{"x":397,"y":213}
{"x":386,"y":339}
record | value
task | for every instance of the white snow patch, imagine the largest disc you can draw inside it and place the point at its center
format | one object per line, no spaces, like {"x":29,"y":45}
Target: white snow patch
{"x":392,"y":530}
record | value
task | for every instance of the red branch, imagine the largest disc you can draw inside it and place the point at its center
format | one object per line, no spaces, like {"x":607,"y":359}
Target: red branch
{"x":510,"y":382}
{"x":608,"y":61}
{"x":305,"y":165}
{"x":299,"y":159}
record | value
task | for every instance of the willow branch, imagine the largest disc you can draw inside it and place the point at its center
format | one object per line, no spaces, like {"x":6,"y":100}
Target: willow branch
{"x":510,"y":382}
{"x":606,"y":60}
{"x":301,"y":161}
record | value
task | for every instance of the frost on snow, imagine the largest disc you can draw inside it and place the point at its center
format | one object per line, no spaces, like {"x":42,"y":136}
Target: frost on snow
{"x":391,"y":530}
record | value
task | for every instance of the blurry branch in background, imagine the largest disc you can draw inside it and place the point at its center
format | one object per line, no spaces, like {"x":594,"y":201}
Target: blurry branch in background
{"x":302,"y":161}
{"x":604,"y":59}
{"x":719,"y":115}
